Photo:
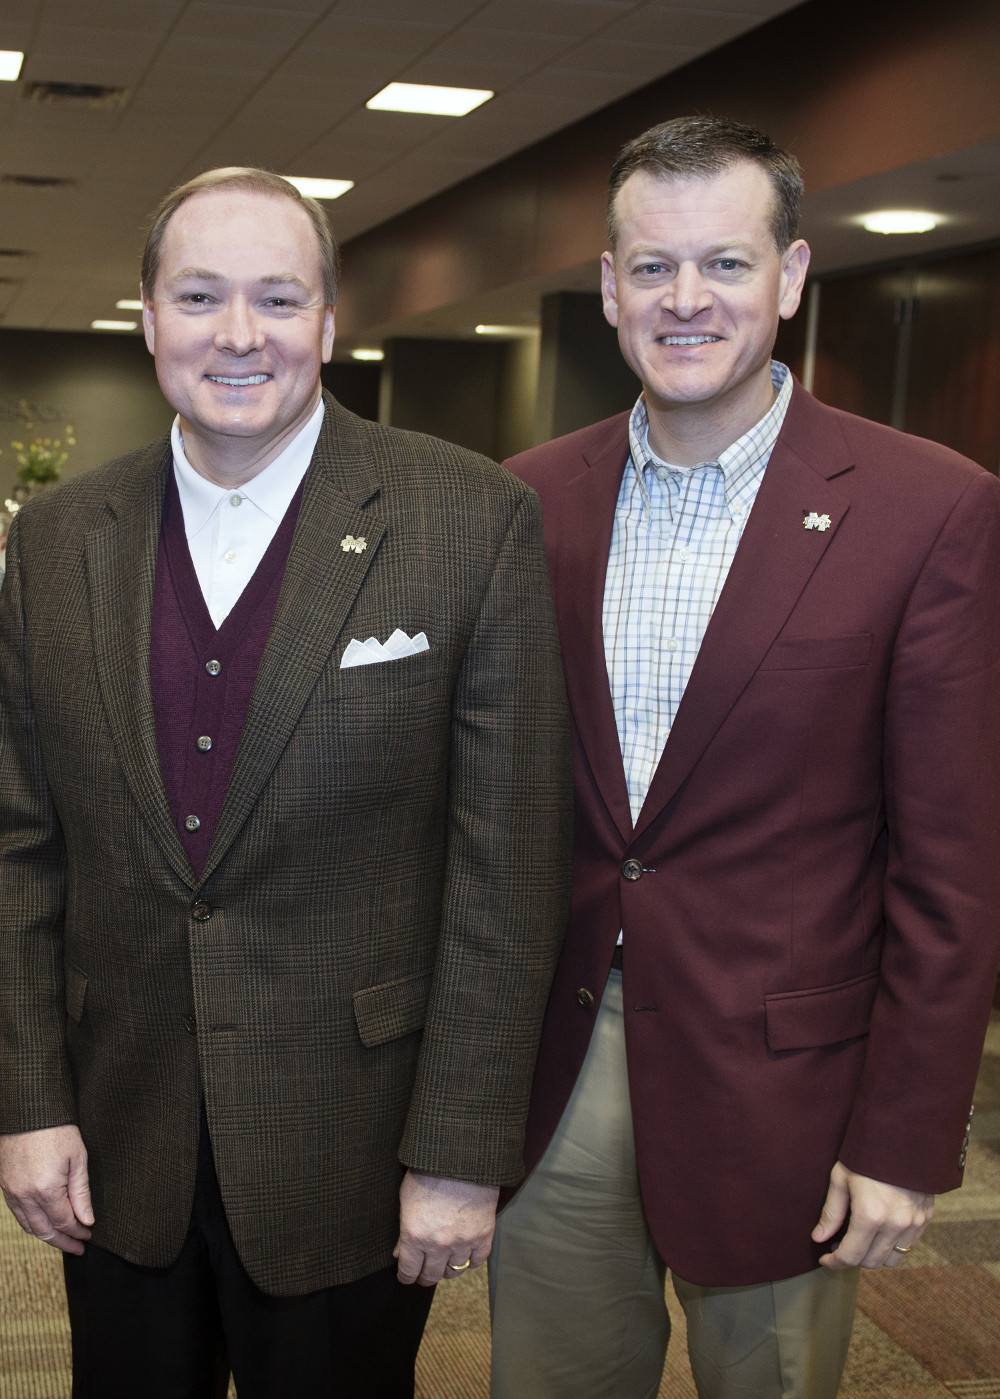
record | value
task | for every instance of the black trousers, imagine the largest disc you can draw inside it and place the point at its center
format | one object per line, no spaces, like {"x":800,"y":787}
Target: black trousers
{"x":175,"y":1333}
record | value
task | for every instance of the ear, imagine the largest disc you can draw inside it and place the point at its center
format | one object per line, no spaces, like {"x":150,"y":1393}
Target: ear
{"x":794,"y":266}
{"x":147,"y":319}
{"x":609,"y":288}
{"x":329,"y":316}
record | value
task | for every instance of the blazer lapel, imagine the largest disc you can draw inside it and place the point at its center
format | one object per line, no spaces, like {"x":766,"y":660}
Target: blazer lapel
{"x":121,"y":573}
{"x":320,"y":585}
{"x":775,"y":560}
{"x":585,"y":521}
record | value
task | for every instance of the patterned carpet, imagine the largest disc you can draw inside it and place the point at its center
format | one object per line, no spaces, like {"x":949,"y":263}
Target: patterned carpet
{"x":928,"y":1330}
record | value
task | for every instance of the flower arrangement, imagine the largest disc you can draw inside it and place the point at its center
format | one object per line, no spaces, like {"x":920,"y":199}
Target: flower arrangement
{"x":43,"y":459}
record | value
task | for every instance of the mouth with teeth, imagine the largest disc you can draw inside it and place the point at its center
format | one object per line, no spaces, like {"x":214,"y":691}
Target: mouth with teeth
{"x":689,"y":339}
{"x":247,"y":381}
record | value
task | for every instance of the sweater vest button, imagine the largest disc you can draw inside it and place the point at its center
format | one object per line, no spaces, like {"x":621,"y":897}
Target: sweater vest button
{"x":204,"y":743}
{"x":213,"y":667}
{"x":191,"y":823}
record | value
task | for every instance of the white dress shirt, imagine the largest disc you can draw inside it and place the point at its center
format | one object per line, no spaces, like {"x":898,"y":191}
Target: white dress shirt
{"x":675,"y":536}
{"x":228,"y":530}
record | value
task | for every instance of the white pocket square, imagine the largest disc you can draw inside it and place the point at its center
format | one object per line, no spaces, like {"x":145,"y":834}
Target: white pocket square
{"x":372,"y":650}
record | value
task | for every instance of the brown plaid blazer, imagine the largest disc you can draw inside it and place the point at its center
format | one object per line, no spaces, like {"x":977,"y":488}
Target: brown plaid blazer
{"x":387,"y":883}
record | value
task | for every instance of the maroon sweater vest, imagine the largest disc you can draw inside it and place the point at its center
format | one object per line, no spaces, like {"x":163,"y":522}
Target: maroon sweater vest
{"x":202,"y":677}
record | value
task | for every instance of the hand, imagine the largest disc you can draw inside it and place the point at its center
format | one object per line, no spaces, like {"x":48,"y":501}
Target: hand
{"x":43,"y":1176}
{"x":881,"y":1217}
{"x":442,"y":1223}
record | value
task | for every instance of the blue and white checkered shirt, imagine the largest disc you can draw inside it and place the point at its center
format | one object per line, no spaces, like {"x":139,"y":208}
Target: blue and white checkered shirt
{"x":675,"y":535}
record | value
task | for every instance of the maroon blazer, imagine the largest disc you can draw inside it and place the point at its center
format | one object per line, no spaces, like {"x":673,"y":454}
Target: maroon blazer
{"x":810,"y":894}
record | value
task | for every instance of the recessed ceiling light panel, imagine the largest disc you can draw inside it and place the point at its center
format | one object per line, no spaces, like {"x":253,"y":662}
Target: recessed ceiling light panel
{"x":900,"y":221}
{"x":113,"y":325}
{"x":128,"y":305}
{"x":423,"y":97}
{"x":368,"y":354}
{"x":319,"y":189}
{"x":10,"y":65}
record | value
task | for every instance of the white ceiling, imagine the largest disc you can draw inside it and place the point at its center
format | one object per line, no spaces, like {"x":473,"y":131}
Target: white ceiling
{"x":283,"y":84}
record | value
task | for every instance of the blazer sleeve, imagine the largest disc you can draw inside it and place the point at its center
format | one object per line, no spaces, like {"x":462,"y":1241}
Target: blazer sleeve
{"x":506,"y":892}
{"x":942,"y":886}
{"x":35,"y":1084}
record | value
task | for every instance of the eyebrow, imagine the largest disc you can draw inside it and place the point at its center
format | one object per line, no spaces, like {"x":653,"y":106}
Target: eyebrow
{"x":204,"y":274}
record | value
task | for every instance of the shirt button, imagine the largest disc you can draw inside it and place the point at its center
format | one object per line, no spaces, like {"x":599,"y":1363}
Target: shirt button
{"x":585,"y":998}
{"x":235,"y":500}
{"x":213,"y":667}
{"x":673,"y":644}
{"x":632,"y":870}
{"x":201,"y":912}
{"x":191,"y":823}
{"x":230,"y":556}
{"x":685,"y":554}
{"x":738,"y":512}
{"x":204,"y":743}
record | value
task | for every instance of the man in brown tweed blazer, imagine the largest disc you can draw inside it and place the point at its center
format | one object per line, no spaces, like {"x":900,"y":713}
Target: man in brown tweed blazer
{"x":276,"y":929}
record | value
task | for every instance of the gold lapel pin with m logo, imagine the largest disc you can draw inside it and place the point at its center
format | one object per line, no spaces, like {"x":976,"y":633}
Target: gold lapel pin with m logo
{"x":348,"y":543}
{"x":814,"y":521}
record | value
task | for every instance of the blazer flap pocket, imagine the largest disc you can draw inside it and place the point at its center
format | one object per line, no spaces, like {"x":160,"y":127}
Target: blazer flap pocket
{"x":820,"y":1015}
{"x":818,"y":652}
{"x":391,"y":1010}
{"x":76,"y":990}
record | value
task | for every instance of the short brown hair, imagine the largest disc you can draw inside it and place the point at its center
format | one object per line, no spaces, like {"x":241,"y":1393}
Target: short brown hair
{"x":252,"y":181}
{"x":693,"y":147}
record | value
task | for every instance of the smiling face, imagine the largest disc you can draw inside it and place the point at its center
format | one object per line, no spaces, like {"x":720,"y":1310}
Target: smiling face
{"x":695,"y":288}
{"x":238,"y":327}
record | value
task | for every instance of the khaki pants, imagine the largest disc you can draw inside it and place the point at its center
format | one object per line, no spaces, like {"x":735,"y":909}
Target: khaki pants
{"x":576,"y":1283}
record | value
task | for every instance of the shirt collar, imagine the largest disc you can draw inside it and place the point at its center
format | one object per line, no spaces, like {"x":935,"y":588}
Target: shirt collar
{"x":271,"y":490}
{"x":742,"y":464}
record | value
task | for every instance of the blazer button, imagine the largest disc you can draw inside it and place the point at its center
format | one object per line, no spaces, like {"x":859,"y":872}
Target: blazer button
{"x":586,"y":998}
{"x":201,"y":912}
{"x":190,"y":1024}
{"x":632,"y":870}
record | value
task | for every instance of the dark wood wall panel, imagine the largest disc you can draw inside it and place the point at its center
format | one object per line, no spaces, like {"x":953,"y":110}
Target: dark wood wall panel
{"x":953,"y":392}
{"x":856,"y":346}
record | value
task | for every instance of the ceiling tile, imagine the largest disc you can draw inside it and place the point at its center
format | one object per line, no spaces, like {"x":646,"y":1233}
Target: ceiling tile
{"x":340,"y":31}
{"x":470,"y":44}
{"x":280,"y":28}
{"x":76,"y":41}
{"x":668,"y":24}
{"x":573,"y":18}
{"x":141,"y":16}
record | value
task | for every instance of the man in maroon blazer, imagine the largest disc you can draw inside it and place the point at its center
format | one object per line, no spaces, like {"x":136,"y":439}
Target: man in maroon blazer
{"x":780,"y":634}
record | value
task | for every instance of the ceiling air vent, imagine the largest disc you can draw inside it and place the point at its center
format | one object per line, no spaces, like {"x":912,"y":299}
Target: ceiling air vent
{"x":92,"y":95}
{"x":37,"y":181}
{"x":14,"y":252}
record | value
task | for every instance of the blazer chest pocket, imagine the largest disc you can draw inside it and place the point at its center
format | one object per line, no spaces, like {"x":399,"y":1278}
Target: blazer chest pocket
{"x":818,"y":652}
{"x":394,"y":1009}
{"x":820,"y":1015}
{"x":76,"y":990}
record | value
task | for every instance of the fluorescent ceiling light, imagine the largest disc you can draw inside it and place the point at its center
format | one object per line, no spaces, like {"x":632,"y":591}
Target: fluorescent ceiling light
{"x":900,"y":221}
{"x":505,"y":330}
{"x":368,"y":354}
{"x":319,"y":189}
{"x":113,"y":325}
{"x":421,"y":97}
{"x":127,"y":305}
{"x":10,"y":65}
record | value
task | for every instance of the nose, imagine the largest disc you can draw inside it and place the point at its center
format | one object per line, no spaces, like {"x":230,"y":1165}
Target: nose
{"x":688,"y":293}
{"x":238,"y":329}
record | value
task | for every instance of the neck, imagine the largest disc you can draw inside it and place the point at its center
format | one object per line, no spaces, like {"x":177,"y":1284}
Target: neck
{"x":230,"y":461}
{"x":684,"y":434}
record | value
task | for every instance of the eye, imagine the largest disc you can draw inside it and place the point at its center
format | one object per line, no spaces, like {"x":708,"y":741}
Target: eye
{"x":196,"y":298}
{"x":729,"y":264}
